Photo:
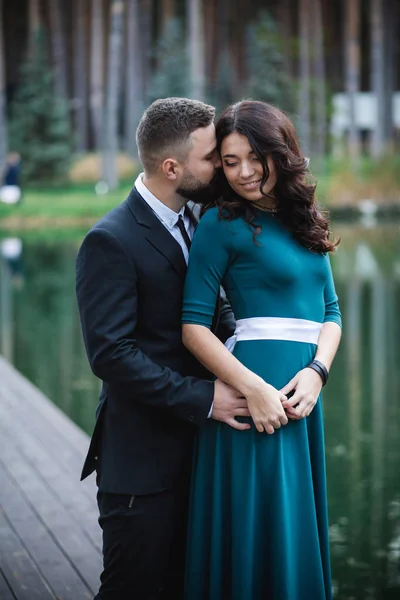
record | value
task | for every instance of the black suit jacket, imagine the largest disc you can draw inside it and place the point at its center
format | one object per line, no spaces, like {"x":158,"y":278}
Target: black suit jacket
{"x":130,"y":278}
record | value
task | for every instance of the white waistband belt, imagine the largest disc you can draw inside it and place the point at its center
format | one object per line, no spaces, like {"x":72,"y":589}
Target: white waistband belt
{"x":275,"y":328}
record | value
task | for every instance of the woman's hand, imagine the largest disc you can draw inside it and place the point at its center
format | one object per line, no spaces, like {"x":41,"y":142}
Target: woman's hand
{"x":307,"y":385}
{"x":265,"y":404}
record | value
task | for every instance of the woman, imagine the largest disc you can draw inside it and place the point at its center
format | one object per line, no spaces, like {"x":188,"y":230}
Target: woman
{"x":258,"y":527}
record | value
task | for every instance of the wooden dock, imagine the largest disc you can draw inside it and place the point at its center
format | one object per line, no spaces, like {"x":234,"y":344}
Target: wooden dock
{"x":50,"y":541}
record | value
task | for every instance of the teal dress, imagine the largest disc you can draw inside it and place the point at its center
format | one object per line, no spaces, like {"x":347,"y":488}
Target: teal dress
{"x":258,"y":526}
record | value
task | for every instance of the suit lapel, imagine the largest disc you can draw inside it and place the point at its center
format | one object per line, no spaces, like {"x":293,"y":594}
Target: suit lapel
{"x":156,"y":233}
{"x":162,"y":240}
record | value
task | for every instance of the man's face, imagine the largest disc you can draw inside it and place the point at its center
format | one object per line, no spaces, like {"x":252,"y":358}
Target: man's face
{"x":200,"y":166}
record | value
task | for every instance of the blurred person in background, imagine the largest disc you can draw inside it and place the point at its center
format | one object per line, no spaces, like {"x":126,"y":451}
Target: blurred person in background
{"x":10,"y":191}
{"x":131,"y":269}
{"x":258,"y":525}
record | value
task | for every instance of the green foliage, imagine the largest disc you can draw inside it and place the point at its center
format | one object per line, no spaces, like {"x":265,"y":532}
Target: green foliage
{"x":268,"y":79}
{"x":39,"y":124}
{"x":171,"y":76}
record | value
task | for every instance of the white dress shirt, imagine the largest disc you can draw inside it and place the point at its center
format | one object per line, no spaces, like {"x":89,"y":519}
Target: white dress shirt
{"x":169,"y":219}
{"x":167,"y":216}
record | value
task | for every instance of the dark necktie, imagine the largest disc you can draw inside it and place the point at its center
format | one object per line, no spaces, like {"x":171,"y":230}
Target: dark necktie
{"x":181,"y":225}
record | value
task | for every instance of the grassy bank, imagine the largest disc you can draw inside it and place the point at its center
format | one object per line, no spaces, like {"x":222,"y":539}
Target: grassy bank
{"x":340,"y":188}
{"x":59,"y":207}
{"x":344,"y":185}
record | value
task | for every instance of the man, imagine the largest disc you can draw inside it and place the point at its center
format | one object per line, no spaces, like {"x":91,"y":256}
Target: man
{"x":130,"y":276}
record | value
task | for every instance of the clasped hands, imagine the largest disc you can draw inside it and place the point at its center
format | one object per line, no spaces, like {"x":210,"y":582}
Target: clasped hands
{"x":268,"y":407}
{"x":304,"y":389}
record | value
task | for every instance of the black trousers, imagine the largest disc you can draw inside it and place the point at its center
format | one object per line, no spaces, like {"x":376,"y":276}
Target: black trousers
{"x":144,"y":543}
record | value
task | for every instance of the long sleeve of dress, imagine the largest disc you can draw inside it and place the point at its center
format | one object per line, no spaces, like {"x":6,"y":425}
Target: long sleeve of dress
{"x":208,"y":262}
{"x":332,"y":311}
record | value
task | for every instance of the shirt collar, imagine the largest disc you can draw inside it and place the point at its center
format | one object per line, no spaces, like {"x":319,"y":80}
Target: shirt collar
{"x":166,"y":215}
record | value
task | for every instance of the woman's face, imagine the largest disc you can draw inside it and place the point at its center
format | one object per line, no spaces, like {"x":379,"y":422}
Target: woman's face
{"x":244,"y":171}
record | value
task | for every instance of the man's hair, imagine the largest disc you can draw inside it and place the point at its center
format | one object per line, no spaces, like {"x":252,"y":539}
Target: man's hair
{"x":165,"y":127}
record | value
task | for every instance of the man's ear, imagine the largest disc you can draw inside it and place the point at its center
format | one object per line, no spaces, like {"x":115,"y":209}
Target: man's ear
{"x":171,"y":169}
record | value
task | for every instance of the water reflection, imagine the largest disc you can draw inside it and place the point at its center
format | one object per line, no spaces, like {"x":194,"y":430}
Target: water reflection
{"x":10,"y":277}
{"x":40,"y":328}
{"x":40,"y":334}
{"x":362,"y":419}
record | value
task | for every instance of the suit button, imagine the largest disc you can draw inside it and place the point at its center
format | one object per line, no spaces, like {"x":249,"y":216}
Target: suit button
{"x":191,"y":418}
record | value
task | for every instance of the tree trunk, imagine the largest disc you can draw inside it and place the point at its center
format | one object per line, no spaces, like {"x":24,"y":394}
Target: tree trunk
{"x":225,"y":77}
{"x":285,"y":19}
{"x":3,"y":109}
{"x":352,"y":62}
{"x":96,"y":72}
{"x":222,"y":30}
{"x":196,"y":48}
{"x":113,"y":87}
{"x":80,"y":74}
{"x":304,"y":73}
{"x":377,"y":75}
{"x":391,"y":12}
{"x":238,"y":33}
{"x":58,"y":48}
{"x":146,"y":7}
{"x":134,"y":95}
{"x":167,"y":12}
{"x":34,"y":15}
{"x":33,"y":25}
{"x":319,"y":76}
{"x":210,"y":12}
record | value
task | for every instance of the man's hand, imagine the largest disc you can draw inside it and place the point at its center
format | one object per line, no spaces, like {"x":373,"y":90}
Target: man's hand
{"x":307,"y":385}
{"x":228,"y":404}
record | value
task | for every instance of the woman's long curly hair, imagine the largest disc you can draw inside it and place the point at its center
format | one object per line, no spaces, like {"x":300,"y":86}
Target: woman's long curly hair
{"x":270,"y":132}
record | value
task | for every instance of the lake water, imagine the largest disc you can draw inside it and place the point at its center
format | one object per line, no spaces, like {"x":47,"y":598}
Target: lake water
{"x":40,"y":334}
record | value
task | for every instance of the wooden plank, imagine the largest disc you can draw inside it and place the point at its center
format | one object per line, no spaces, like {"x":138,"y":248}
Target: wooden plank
{"x":70,"y":536}
{"x":30,"y":461}
{"x":50,"y":517}
{"x":20,"y":571}
{"x":47,"y":461}
{"x":44,"y":428}
{"x":39,"y":542}
{"x":17,"y":382}
{"x":61,"y":484}
{"x":11,"y":378}
{"x":69,"y":458}
{"x":5,"y":590}
{"x":48,"y":445}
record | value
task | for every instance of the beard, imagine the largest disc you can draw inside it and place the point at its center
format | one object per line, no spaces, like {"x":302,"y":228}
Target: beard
{"x":195,"y":190}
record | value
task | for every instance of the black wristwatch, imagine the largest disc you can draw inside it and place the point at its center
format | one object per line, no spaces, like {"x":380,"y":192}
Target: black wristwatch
{"x":320,"y":369}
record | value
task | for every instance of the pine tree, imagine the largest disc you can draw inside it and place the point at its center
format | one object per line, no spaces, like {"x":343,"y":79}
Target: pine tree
{"x":39,"y":127}
{"x":268,"y":79}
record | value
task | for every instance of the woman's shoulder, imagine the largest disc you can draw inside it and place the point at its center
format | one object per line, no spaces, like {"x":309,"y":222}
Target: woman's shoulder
{"x":210,"y":216}
{"x":213,"y":220}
